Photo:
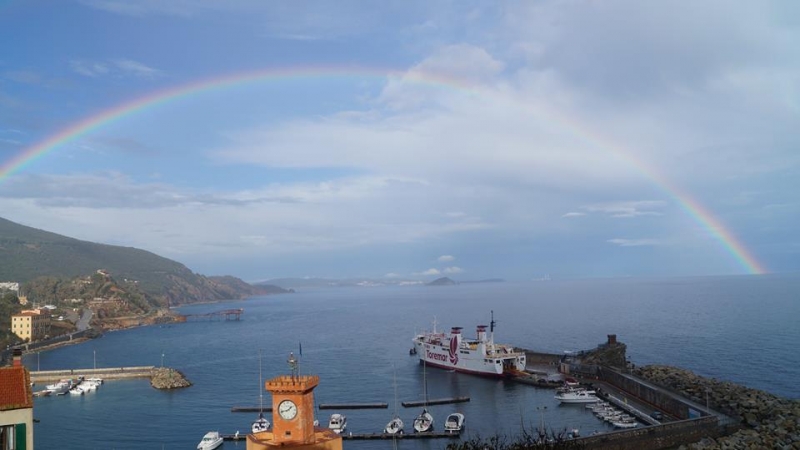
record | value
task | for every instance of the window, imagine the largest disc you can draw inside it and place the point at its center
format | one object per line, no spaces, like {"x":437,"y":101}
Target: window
{"x":13,"y":437}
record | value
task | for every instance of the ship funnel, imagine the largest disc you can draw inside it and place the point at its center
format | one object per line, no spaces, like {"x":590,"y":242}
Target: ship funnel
{"x":482,"y":333}
{"x":455,"y":344}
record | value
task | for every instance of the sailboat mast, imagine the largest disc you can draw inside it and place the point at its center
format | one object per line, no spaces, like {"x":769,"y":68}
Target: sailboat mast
{"x":260,"y":386}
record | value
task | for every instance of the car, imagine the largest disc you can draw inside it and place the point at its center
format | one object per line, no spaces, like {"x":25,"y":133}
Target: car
{"x":657,"y":415}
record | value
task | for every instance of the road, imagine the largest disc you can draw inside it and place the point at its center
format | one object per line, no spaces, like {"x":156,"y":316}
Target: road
{"x":83,"y":322}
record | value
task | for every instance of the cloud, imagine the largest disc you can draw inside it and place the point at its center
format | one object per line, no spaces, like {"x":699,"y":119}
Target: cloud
{"x":431,"y":271}
{"x":628,"y":209}
{"x":89,"y":68}
{"x":136,"y":68}
{"x":392,"y":275}
{"x":573,"y":214}
{"x":634,"y":242}
{"x":453,"y":270}
{"x":119,"y":67}
{"x":446,"y":258}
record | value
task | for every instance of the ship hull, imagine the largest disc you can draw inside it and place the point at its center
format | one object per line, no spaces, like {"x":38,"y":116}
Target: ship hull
{"x":474,"y":356}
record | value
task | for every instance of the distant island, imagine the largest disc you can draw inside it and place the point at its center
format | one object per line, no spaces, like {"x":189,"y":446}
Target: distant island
{"x":297,"y":283}
{"x":444,"y":281}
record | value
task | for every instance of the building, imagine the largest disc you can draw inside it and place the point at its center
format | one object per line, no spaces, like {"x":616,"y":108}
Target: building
{"x":30,"y":324}
{"x":16,"y":406}
{"x":293,"y":416}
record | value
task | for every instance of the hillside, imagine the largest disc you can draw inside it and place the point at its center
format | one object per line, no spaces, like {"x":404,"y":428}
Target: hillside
{"x":28,"y":254}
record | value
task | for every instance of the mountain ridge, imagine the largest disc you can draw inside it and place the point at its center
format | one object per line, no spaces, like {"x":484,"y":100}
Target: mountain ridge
{"x":28,"y":254}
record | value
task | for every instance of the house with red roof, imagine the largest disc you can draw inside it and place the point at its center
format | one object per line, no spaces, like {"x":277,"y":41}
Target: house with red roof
{"x":16,"y":406}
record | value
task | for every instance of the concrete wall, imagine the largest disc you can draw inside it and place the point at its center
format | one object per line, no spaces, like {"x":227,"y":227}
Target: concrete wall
{"x":669,"y":403}
{"x":665,"y":436}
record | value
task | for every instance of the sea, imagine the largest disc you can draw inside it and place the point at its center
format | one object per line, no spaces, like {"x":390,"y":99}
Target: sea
{"x":357,"y":339}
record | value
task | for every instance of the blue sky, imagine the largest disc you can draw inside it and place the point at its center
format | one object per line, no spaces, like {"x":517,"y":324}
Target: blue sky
{"x":518,"y":165}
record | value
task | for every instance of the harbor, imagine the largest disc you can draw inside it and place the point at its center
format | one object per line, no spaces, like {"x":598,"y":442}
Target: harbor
{"x":496,"y":405}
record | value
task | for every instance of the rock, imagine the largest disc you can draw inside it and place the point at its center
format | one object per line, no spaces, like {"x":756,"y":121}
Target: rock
{"x":166,"y":378}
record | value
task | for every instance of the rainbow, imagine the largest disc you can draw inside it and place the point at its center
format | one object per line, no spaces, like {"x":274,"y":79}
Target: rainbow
{"x":691,"y":206}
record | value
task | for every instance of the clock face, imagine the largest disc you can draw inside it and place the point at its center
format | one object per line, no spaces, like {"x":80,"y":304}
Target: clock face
{"x":287,"y":410}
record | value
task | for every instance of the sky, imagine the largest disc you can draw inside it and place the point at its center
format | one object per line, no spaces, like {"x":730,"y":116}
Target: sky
{"x":409,"y":140}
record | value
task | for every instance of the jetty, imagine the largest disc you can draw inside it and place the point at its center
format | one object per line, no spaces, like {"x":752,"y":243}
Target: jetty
{"x":385,"y":436}
{"x":251,"y":409}
{"x":104,"y":373}
{"x":353,"y":405}
{"x":436,"y":401}
{"x":227,"y":314}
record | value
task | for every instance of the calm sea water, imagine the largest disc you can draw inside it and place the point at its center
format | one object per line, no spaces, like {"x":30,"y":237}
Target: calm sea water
{"x":742,"y":329}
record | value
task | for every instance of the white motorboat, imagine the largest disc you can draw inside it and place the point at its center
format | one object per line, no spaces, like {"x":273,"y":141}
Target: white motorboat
{"x":260,"y":424}
{"x":454,"y":423}
{"x":625,"y":423}
{"x":423,"y":422}
{"x":210,"y":441}
{"x":97,"y":381}
{"x":76,"y":390}
{"x":577,"y":396}
{"x":338,"y":423}
{"x":60,"y":387}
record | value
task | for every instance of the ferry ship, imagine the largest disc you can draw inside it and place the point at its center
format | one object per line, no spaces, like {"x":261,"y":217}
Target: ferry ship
{"x":479,"y":356}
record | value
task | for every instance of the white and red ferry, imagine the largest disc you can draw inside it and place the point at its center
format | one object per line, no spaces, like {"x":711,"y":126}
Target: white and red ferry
{"x":479,"y":356}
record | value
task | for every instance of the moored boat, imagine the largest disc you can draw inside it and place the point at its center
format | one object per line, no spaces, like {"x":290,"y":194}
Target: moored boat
{"x":395,"y":426}
{"x":454,"y":423}
{"x":261,"y":423}
{"x":576,"y":395}
{"x":337,"y":423}
{"x":210,"y":441}
{"x":423,"y":423}
{"x":480,"y":356}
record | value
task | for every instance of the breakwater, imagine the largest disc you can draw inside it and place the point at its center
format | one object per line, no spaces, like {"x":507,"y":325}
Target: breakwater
{"x":766,"y":420}
{"x":105,"y":373}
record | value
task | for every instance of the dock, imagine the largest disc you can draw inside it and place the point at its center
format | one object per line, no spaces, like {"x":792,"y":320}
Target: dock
{"x":227,"y":314}
{"x":385,"y":436}
{"x":368,"y":436}
{"x":436,"y":401}
{"x":353,"y":406}
{"x":105,"y":373}
{"x":251,"y":409}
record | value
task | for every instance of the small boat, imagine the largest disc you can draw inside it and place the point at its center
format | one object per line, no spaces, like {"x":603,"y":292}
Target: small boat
{"x":423,"y":422}
{"x":60,"y":387}
{"x":577,"y":396}
{"x":210,"y":441}
{"x":337,"y":423}
{"x":97,"y":381}
{"x":625,"y":423}
{"x":454,"y":423}
{"x":260,"y":424}
{"x":76,"y":390}
{"x":395,"y":426}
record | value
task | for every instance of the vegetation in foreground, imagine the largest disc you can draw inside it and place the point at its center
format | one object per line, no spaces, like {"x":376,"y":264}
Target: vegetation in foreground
{"x":528,"y":440}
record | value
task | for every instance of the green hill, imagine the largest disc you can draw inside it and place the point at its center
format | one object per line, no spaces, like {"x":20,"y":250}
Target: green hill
{"x":34,"y":257}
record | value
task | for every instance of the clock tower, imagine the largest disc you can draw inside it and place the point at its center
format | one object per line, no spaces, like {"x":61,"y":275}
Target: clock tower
{"x":293,"y":415}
